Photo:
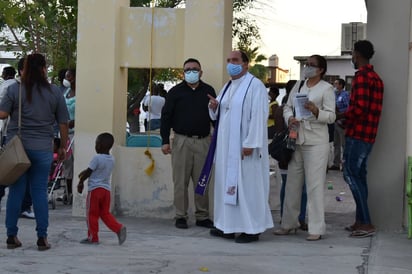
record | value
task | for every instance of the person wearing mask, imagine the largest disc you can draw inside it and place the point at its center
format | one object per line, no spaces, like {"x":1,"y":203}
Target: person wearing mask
{"x":280,"y":126}
{"x":362,"y":121}
{"x":186,"y":112}
{"x":241,"y":200}
{"x":342,"y":103}
{"x":309,"y":161}
{"x":42,"y":104}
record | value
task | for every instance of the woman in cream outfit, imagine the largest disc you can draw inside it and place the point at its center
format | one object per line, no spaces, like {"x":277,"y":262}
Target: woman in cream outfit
{"x":309,"y":161}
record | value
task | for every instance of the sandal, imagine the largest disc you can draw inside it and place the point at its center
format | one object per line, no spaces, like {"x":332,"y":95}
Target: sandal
{"x":362,"y":233}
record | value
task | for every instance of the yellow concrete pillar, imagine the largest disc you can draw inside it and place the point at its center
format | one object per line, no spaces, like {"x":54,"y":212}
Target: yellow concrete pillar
{"x":101,"y":83}
{"x":208,"y":37}
{"x":113,"y":37}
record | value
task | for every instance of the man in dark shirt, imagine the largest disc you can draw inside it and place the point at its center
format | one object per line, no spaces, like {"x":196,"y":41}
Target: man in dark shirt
{"x":362,"y":120}
{"x":186,"y":112}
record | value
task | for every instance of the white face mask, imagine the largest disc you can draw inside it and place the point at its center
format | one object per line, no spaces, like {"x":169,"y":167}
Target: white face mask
{"x":309,"y":72}
{"x":66,"y":83}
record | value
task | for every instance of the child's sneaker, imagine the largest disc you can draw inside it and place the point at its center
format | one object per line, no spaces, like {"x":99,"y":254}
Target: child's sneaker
{"x":121,"y":235}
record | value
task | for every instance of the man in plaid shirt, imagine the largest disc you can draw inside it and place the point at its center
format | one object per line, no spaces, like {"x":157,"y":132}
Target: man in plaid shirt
{"x":362,"y":120}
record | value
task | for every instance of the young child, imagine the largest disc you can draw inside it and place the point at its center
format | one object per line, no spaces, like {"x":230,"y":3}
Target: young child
{"x":98,"y":196}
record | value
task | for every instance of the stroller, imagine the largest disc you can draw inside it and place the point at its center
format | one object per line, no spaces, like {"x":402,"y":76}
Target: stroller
{"x":55,"y":176}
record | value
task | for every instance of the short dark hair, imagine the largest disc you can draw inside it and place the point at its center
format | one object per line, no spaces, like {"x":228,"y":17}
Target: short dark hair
{"x":341,"y":82}
{"x":8,"y":73}
{"x":364,"y":48}
{"x":274,"y":89}
{"x":106,"y":140}
{"x":192,"y":60}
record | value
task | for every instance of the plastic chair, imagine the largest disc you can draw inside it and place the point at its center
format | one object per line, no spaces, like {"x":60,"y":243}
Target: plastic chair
{"x":144,"y":141}
{"x":409,"y":195}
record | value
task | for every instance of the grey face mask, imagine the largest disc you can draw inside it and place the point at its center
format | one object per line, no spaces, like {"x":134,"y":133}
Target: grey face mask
{"x":309,"y":72}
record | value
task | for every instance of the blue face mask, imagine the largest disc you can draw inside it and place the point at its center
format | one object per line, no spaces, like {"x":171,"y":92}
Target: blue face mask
{"x":233,"y":69}
{"x":192,"y":76}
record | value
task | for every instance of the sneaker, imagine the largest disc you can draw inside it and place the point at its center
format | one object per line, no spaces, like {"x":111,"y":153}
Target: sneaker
{"x":181,"y":223}
{"x":28,"y":214}
{"x":205,"y":223}
{"x":88,"y":242}
{"x":121,"y":235}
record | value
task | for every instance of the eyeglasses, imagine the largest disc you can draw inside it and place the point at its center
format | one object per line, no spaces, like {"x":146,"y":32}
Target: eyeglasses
{"x":191,"y":69}
{"x":310,"y":65}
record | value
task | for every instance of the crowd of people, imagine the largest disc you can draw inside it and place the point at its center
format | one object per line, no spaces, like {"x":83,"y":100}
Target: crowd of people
{"x":199,"y":128}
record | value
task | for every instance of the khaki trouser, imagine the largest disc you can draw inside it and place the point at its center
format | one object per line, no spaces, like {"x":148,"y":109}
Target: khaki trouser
{"x":188,"y":157}
{"x":308,"y":165}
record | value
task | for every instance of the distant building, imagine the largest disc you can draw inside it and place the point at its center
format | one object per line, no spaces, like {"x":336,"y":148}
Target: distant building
{"x":340,"y":66}
{"x":275,"y":73}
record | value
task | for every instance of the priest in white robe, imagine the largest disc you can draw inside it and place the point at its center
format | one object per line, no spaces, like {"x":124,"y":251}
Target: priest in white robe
{"x":241,"y":200}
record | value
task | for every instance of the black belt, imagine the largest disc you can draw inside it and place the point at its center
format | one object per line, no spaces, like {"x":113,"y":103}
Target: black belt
{"x":194,"y":136}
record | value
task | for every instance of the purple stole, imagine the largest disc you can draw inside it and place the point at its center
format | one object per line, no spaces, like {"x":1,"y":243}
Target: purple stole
{"x":207,"y":167}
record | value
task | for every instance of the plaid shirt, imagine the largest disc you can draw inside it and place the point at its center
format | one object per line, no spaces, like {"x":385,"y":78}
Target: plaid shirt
{"x":365,"y":106}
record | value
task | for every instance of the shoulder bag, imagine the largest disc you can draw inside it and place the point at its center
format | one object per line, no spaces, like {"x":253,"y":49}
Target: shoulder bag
{"x":13,"y":158}
{"x":278,"y":147}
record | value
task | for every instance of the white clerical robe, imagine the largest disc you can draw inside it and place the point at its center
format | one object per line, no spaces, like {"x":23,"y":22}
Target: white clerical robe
{"x":251,"y":212}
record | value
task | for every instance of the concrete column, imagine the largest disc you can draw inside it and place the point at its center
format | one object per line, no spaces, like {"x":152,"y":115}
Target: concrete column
{"x":389,"y":28}
{"x":101,"y":83}
{"x":211,"y":44}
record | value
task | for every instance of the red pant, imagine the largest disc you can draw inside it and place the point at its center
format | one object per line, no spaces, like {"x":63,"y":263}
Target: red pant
{"x":98,"y":206}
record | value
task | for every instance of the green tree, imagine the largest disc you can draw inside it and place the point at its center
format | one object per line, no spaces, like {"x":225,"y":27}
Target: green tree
{"x":44,"y":26}
{"x":246,"y":37}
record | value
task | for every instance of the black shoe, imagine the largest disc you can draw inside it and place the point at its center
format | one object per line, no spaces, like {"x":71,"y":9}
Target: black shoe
{"x":219,"y":233}
{"x":247,"y":238}
{"x":303,"y":226}
{"x":181,"y":223}
{"x":334,"y":168}
{"x":13,"y":242}
{"x":205,"y":223}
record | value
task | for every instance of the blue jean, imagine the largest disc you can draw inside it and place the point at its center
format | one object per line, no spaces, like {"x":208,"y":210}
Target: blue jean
{"x":26,"y":204}
{"x":36,"y":178}
{"x":303,"y":200}
{"x":355,"y":158}
{"x":154,"y":124}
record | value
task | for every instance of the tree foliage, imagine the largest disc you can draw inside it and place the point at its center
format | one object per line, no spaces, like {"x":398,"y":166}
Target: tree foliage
{"x":44,"y":26}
